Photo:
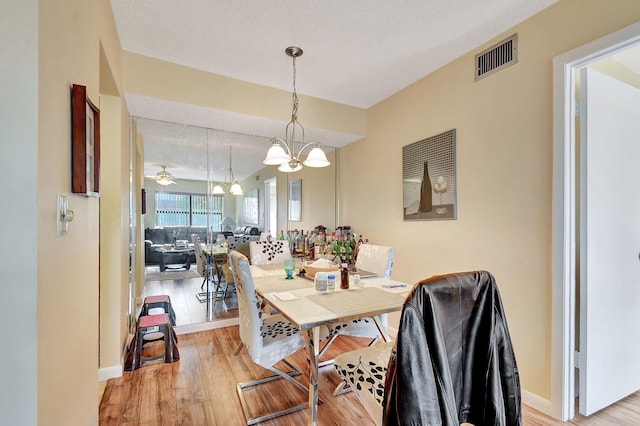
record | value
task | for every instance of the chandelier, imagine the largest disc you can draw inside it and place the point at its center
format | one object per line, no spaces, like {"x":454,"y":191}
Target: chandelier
{"x":282,"y":152}
{"x":234,"y":189}
{"x":164,"y":177}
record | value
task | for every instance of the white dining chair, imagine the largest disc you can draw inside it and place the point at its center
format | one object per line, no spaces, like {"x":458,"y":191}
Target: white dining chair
{"x":204,"y":267}
{"x":378,"y":260}
{"x":265,"y":236}
{"x":268,"y":339}
{"x":208,"y":271}
{"x":365,"y":371}
{"x":268,"y":252}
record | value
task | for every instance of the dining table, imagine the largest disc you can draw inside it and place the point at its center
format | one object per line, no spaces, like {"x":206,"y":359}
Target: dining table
{"x":298,"y":301}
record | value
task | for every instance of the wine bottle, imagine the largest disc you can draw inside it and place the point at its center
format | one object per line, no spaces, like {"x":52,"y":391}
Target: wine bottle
{"x":426,"y":204}
{"x":344,"y":277}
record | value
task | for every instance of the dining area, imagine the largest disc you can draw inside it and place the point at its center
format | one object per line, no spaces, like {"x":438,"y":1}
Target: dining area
{"x":280,"y":316}
{"x":273,"y":291}
{"x":307,"y":353}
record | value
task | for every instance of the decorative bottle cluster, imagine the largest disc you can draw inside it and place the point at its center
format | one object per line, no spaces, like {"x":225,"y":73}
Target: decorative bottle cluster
{"x":340,"y":246}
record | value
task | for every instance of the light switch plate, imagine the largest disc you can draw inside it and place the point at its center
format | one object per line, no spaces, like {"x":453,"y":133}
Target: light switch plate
{"x":62,"y":215}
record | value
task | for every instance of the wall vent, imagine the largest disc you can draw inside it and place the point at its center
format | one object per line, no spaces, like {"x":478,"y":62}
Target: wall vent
{"x":497,"y":57}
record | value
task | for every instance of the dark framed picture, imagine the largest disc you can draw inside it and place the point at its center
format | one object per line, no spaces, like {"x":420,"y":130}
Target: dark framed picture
{"x":429,"y":178}
{"x":85,"y":143}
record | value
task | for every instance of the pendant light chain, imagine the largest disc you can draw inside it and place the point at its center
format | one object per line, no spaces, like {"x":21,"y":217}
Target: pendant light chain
{"x":294,"y":111}
{"x":294,"y":106}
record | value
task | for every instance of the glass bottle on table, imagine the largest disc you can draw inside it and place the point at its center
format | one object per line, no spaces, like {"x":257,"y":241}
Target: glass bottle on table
{"x":331,"y":281}
{"x":344,"y":277}
{"x":343,"y":249}
{"x":358,"y":244}
{"x":302,"y":243}
{"x":289,"y":267}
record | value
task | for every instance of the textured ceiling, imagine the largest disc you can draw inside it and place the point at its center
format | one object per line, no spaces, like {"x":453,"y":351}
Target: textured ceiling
{"x":356,"y":53}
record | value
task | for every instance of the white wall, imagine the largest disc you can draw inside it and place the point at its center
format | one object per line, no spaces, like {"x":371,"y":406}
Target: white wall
{"x":18,"y":211}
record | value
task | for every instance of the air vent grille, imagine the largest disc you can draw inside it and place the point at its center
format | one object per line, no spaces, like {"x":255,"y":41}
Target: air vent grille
{"x":497,"y":57}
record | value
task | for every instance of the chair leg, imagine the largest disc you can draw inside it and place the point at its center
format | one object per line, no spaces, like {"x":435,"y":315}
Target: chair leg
{"x":238,"y":349}
{"x":325,"y":347}
{"x":279,"y":374}
{"x":343,"y":387}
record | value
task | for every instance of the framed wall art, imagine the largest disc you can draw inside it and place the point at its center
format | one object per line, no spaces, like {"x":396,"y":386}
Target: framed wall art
{"x":250,"y":207}
{"x":429,"y":178}
{"x":85,"y":143}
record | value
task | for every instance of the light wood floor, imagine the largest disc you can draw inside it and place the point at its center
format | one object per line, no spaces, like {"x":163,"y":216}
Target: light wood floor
{"x":189,"y":310}
{"x":200,"y":389}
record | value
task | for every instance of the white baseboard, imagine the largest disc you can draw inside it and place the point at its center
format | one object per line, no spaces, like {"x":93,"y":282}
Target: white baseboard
{"x":107,"y":373}
{"x":536,"y":402}
{"x":193,"y":328}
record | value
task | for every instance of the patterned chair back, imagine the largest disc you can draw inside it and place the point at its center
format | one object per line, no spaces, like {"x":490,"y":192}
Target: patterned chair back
{"x":249,"y":304}
{"x":267,"y":252}
{"x":241,"y":243}
{"x":376,"y":259}
{"x":201,"y":258}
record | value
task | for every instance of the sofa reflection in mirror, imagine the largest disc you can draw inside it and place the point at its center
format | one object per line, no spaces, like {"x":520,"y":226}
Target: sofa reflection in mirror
{"x":176,"y":236}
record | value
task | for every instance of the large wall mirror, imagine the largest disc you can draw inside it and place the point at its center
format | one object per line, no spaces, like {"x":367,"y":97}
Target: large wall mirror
{"x":197,"y":162}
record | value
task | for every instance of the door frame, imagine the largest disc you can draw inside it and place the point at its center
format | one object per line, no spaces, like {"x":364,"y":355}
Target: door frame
{"x":563,"y":269}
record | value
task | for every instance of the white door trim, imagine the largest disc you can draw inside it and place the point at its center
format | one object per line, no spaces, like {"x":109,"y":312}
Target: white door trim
{"x":563,"y":306}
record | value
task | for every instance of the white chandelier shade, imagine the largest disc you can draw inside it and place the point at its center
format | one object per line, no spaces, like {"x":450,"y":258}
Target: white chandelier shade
{"x":218,"y":189}
{"x":316,"y":158}
{"x":276,"y":154}
{"x":234,"y":188}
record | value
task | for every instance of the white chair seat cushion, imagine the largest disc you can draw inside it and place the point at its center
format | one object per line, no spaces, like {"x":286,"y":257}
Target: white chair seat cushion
{"x":365,"y":371}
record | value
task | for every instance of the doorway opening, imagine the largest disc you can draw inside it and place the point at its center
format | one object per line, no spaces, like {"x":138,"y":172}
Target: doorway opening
{"x":566,"y":213}
{"x":271,"y":206}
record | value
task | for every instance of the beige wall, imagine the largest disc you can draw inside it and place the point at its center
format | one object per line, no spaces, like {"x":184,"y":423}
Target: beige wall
{"x":114,"y":231}
{"x":318,"y":195}
{"x":70,"y":36}
{"x":504,"y":171}
{"x":159,"y":79}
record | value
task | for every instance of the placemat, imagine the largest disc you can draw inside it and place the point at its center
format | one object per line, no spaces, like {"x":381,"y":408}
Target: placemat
{"x":269,"y":284}
{"x":271,"y":267}
{"x":355,"y":299}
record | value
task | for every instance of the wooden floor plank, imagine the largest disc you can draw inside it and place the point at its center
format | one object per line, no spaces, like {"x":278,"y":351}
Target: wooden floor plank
{"x":200,"y":389}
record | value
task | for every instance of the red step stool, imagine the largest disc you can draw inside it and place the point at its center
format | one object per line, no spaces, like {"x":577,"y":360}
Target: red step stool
{"x":152,"y":328}
{"x":160,"y":301}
